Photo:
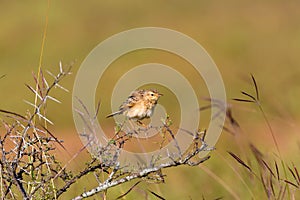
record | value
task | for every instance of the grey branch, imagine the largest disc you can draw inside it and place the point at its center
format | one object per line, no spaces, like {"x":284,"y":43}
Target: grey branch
{"x":110,"y":182}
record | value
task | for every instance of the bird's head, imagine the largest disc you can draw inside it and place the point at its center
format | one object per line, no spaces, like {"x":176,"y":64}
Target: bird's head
{"x":152,"y":95}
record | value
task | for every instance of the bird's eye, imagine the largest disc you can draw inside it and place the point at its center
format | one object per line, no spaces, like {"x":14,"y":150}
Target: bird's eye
{"x":152,"y":94}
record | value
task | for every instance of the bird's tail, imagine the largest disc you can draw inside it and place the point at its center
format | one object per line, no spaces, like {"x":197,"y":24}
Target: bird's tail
{"x":114,"y":113}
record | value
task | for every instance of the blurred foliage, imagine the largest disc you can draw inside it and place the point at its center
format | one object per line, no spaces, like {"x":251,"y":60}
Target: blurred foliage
{"x":256,"y":37}
{"x":243,"y":37}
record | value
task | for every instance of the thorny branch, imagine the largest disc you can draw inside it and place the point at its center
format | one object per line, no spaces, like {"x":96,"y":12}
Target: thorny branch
{"x":119,"y":176}
{"x":27,"y":162}
{"x":29,"y":169}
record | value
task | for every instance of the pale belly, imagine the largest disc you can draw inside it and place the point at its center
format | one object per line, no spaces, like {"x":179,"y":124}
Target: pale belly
{"x":139,"y":112}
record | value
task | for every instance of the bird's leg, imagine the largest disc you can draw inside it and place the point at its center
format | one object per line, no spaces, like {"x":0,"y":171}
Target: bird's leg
{"x":143,"y":127}
{"x":141,"y":123}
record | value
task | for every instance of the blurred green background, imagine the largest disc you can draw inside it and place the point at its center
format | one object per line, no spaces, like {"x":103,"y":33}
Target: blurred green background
{"x":242,"y":37}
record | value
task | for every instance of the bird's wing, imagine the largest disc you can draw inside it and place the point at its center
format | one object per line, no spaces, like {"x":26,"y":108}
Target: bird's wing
{"x":132,"y":100}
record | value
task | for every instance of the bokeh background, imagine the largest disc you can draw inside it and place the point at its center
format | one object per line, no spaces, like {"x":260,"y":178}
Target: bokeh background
{"x":243,"y":37}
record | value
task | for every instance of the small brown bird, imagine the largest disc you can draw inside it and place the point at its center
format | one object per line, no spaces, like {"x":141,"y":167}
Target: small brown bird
{"x":139,"y":105}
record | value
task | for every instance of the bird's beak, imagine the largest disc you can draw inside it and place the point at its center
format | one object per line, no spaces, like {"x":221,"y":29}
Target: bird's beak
{"x":159,"y":94}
